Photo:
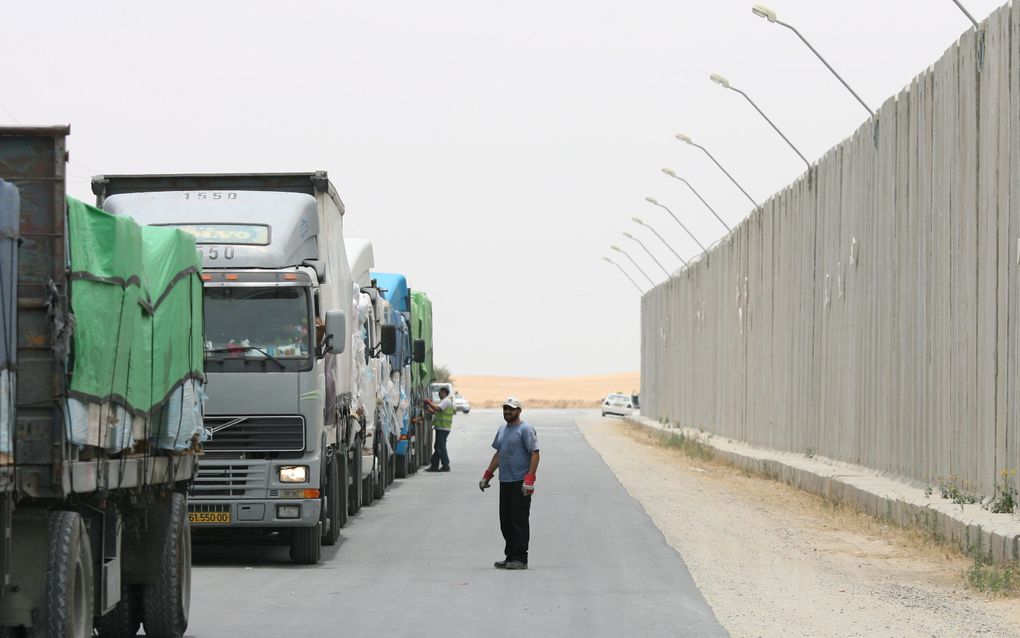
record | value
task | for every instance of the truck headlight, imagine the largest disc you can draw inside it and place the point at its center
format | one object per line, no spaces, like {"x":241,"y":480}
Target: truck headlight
{"x":294,"y":474}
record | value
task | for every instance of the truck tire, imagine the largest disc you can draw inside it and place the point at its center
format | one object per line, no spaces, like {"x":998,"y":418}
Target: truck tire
{"x":382,"y":467}
{"x":331,"y":504}
{"x":368,"y":485}
{"x":166,"y":602}
{"x":68,"y":597}
{"x":125,"y":619}
{"x":343,"y":476}
{"x":306,"y":544}
{"x":354,"y":491}
{"x":401,"y":465}
{"x":391,"y":462}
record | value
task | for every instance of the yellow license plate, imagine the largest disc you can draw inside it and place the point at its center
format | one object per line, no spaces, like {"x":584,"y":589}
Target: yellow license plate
{"x":209,"y":517}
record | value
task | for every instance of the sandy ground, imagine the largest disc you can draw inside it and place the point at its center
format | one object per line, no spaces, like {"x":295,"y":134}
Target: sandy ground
{"x":775,"y":561}
{"x":567,"y":392}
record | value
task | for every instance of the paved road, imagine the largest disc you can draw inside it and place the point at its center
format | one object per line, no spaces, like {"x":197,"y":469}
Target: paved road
{"x":420,"y":561}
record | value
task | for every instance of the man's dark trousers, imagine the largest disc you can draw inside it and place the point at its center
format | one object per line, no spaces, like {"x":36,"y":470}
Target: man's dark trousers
{"x":514,"y":512}
{"x":440,"y":455}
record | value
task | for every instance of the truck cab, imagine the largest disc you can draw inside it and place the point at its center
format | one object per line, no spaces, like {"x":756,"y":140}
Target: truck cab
{"x":277,"y":302}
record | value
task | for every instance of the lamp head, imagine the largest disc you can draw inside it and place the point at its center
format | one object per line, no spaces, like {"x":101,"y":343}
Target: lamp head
{"x":608,"y":259}
{"x":651,"y":200}
{"x":720,"y":80}
{"x":628,"y":235}
{"x":637,"y":220}
{"x":616,"y":248}
{"x":669,"y":171}
{"x":762,"y":11}
{"x":683,"y":138}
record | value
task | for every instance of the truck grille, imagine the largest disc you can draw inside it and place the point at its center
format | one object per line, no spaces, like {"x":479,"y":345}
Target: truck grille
{"x":229,"y":479}
{"x":255,"y":434}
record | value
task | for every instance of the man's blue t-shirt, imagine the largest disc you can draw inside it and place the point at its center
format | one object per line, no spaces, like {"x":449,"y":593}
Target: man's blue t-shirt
{"x":515,"y":443}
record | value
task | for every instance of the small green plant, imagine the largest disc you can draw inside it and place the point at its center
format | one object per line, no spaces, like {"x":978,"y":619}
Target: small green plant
{"x":958,"y":491}
{"x":989,"y":578}
{"x":809,"y":453}
{"x":688,"y":445}
{"x":1005,"y":500}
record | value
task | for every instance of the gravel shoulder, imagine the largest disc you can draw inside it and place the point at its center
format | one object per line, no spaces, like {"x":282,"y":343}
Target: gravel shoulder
{"x":775,"y":561}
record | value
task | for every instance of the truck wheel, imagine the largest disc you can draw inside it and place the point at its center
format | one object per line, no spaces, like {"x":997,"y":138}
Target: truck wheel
{"x":68,"y":595}
{"x":354,"y":492}
{"x":400,"y":470}
{"x":382,"y":468}
{"x":125,"y":618}
{"x":331,"y":505}
{"x":391,"y":465}
{"x":368,"y":486}
{"x":306,"y":544}
{"x":342,"y":505}
{"x":166,"y":602}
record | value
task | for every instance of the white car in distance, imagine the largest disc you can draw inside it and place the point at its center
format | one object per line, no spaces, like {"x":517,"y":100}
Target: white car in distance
{"x":460,"y":404}
{"x":618,"y":405}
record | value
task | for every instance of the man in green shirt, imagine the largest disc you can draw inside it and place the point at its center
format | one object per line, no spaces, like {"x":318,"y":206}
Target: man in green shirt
{"x":442,"y":421}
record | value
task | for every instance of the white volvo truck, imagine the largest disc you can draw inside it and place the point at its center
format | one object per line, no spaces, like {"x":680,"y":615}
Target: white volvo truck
{"x":284,"y":457}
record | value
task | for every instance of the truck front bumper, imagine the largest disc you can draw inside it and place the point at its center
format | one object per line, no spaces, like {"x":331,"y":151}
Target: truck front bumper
{"x":253,"y":513}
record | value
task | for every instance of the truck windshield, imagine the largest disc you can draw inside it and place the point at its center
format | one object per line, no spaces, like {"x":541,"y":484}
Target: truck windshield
{"x":257,"y":323}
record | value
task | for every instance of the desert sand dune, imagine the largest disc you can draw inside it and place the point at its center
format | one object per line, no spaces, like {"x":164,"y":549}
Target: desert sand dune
{"x":564,"y":392}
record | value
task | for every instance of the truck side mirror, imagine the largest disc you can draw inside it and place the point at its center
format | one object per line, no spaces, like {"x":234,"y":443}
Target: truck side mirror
{"x":418,"y":351}
{"x":336,"y":332}
{"x":388,"y":338}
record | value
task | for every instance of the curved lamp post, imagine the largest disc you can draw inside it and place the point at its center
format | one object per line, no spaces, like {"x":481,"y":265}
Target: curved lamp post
{"x":723,"y":82}
{"x":967,"y":13}
{"x":688,"y":140}
{"x":653,"y":202}
{"x":625,"y":274}
{"x":768,"y":14}
{"x":671,"y":173}
{"x":642,"y":244}
{"x":638,"y":221}
{"x":624,"y":253}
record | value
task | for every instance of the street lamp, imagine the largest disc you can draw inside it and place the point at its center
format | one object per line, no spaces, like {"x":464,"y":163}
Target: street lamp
{"x":625,"y":274}
{"x":671,"y":173}
{"x":687,"y":140}
{"x":652,"y":201}
{"x":723,"y":82}
{"x":770,"y":15}
{"x":637,"y":220}
{"x":967,"y":13}
{"x":624,"y":253}
{"x":642,"y":244}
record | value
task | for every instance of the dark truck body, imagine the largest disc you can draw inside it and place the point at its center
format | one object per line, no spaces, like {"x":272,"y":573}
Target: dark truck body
{"x":98,"y":524}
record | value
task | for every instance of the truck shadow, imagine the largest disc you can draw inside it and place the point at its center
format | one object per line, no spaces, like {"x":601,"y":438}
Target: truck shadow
{"x":263,"y":553}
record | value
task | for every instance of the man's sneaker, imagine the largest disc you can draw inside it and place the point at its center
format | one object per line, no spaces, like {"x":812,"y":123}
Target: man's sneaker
{"x":516,"y":564}
{"x":499,"y":564}
{"x":432,"y":469}
{"x":444,"y":469}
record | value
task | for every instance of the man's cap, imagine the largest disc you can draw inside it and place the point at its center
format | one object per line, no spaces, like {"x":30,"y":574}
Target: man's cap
{"x":511,"y":402}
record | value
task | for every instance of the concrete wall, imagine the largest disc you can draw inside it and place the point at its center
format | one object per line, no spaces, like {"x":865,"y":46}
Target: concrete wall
{"x":869,"y":311}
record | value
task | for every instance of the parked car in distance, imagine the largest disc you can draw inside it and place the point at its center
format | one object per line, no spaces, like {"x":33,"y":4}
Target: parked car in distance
{"x":618,"y":404}
{"x":460,"y":404}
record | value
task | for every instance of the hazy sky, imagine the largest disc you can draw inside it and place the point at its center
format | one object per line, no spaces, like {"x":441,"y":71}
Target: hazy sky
{"x":491,"y":150}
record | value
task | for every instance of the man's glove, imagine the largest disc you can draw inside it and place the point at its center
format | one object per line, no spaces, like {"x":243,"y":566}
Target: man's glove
{"x":484,"y":483}
{"x":529,"y":485}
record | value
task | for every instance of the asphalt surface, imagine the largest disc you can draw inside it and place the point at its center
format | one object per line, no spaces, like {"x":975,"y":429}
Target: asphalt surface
{"x":421,"y":559}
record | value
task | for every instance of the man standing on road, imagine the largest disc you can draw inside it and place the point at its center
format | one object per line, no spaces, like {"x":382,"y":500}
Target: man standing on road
{"x":442,"y":421}
{"x":516,"y":456}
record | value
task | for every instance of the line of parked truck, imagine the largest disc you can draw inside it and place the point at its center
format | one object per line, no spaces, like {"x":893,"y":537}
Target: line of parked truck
{"x":198,"y":353}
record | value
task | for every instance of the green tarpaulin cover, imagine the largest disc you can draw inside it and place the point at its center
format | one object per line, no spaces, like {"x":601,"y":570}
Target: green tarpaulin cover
{"x":136,"y":297}
{"x":421,"y":328}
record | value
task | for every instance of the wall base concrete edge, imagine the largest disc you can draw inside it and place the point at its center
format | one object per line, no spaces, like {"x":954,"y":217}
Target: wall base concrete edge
{"x":895,"y":499}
